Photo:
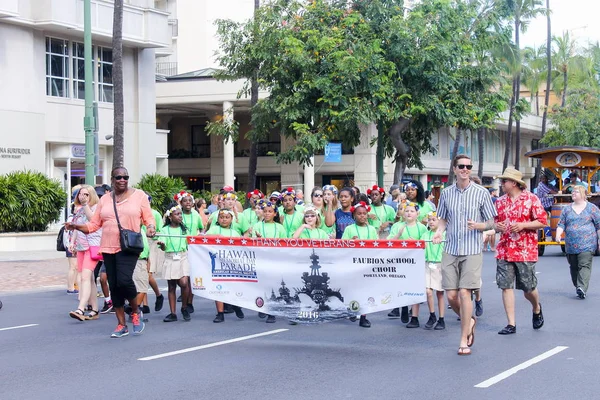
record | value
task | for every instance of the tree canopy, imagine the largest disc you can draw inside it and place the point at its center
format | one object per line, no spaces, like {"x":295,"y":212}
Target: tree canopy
{"x":330,"y":65}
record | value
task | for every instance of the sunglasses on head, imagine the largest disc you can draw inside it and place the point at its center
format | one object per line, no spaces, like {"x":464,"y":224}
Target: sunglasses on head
{"x":463,"y":166}
{"x":121,"y":177}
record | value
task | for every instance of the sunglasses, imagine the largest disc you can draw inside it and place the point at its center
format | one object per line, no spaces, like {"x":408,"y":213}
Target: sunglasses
{"x":310,"y":216}
{"x":121,"y":177}
{"x":505,"y":180}
{"x":318,"y":195}
{"x":463,"y":166}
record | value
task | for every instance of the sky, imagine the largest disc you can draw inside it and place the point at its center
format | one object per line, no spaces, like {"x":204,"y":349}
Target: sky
{"x":579,"y":17}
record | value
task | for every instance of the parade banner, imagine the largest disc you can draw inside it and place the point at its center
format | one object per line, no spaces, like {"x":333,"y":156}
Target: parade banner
{"x":308,"y":281}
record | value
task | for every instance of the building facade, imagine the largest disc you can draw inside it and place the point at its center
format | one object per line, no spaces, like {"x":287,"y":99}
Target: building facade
{"x":42,"y":87}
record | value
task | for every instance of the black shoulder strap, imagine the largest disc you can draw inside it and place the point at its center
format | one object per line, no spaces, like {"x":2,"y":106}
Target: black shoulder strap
{"x":116,"y":213}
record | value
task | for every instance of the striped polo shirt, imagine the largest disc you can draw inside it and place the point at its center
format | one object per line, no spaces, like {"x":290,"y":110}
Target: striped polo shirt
{"x":457,"y":206}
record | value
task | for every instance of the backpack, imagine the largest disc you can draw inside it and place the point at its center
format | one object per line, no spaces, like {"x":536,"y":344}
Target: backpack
{"x":60,"y":245}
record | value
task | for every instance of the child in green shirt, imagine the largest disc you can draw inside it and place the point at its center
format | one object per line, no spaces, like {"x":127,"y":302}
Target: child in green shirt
{"x":433,"y":274}
{"x":360,"y":229}
{"x":176,"y":267}
{"x":311,"y":223}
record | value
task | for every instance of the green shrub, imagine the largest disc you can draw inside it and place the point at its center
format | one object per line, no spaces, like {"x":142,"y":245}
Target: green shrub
{"x":161,"y":188}
{"x":29,"y":201}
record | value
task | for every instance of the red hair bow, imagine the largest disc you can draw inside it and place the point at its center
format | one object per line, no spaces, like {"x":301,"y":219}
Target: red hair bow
{"x":360,"y":204}
{"x":375,"y":188}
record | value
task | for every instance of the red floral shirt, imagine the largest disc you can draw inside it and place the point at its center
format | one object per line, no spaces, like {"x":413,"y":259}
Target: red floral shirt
{"x":520,"y":246}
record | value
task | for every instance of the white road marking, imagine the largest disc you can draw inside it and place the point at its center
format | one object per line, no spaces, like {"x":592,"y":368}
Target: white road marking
{"x":18,"y":327}
{"x":207,"y":346}
{"x":495,"y":379}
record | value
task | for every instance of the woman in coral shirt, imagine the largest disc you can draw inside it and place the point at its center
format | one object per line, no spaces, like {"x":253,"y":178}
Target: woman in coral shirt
{"x":133,"y":209}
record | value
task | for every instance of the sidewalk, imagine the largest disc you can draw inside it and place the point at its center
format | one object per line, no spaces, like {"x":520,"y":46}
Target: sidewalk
{"x":22,"y":271}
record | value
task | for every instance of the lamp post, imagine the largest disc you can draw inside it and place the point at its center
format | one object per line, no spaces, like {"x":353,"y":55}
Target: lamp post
{"x":88,"y":119}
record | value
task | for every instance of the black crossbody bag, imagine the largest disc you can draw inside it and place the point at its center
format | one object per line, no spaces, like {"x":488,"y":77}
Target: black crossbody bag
{"x":131,"y":242}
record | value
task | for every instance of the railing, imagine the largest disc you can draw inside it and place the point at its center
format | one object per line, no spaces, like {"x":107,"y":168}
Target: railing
{"x":166,"y":68}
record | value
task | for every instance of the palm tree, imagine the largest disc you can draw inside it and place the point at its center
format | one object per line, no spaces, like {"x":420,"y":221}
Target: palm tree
{"x":524,"y":11}
{"x":253,"y":156}
{"x":563,"y":59}
{"x":117,"y":75}
{"x":534,"y":72}
{"x":548,"y":70}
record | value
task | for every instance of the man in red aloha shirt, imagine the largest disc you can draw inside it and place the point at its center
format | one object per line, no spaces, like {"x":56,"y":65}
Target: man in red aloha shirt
{"x":520,"y":215}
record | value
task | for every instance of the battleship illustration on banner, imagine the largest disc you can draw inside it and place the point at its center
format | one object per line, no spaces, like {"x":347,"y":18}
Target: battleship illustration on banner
{"x":314,"y":302}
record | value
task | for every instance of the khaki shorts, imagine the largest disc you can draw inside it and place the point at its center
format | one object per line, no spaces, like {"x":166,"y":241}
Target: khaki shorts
{"x":140,"y":276}
{"x":461,"y":272}
{"x":156,"y":258}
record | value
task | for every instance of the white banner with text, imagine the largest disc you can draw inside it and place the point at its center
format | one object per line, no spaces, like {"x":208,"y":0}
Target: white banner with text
{"x":308,"y":281}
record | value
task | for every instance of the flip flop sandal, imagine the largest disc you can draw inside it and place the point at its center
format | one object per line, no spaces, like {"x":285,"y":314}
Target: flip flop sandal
{"x":471,"y":336}
{"x":92,"y":315}
{"x":464,"y":351}
{"x":77,"y":314}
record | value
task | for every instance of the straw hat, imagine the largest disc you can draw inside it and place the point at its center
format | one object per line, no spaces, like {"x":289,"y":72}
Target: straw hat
{"x":513,"y":175}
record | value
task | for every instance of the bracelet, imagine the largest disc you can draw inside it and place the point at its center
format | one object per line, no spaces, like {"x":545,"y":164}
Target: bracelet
{"x":150,"y":226}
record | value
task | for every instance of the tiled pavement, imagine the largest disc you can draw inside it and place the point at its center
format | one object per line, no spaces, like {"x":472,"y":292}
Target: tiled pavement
{"x":21,"y":271}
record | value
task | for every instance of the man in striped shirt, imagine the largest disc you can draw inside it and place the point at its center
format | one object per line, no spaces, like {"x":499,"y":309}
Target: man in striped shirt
{"x":461,"y":206}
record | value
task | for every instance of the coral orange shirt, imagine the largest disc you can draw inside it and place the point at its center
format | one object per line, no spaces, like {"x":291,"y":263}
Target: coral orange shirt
{"x":132,"y":212}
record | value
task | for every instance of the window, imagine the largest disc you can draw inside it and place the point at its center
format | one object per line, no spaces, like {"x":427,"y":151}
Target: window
{"x":105,"y":81}
{"x":62,"y":81}
{"x":78,"y":71}
{"x":57,"y":67}
{"x":200,"y":142}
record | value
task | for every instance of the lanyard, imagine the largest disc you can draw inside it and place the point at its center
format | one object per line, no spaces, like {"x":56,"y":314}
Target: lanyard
{"x":171,"y":241}
{"x":439,"y":247}
{"x":409,"y":235}
{"x":229,"y":229}
{"x":358,"y":233}
{"x":191,"y":220}
{"x":263,"y":229}
{"x":377,"y":214}
{"x":289,"y":226}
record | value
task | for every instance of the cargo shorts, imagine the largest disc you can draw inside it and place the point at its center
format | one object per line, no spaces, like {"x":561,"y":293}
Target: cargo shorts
{"x":522,"y":272}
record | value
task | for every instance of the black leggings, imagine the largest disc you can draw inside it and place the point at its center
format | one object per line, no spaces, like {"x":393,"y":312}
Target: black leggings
{"x":119,"y":271}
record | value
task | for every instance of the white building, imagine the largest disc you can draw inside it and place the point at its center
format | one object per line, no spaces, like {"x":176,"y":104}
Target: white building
{"x":188,"y":100}
{"x":41,"y":86}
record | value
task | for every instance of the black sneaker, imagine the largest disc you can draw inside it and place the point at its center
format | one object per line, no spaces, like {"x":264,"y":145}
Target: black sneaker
{"x":414,"y":323}
{"x":179,"y":299}
{"x":146,"y":309}
{"x":107,"y":307}
{"x":538,"y":319}
{"x":190,"y":308}
{"x":508,"y":330}
{"x":440,"y":326}
{"x":478,"y":308}
{"x":186,"y":314}
{"x":580,"y":293}
{"x":404,"y":315}
{"x":270,"y":319}
{"x":228,"y":309}
{"x":395,"y":313}
{"x":364,"y":322}
{"x":160,"y":299}
{"x":170,"y":318}
{"x":219,"y":318}
{"x":432,"y":320}
{"x":238,"y":312}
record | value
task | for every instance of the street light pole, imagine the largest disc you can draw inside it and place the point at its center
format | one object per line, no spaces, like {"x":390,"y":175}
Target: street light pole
{"x":88,"y":120}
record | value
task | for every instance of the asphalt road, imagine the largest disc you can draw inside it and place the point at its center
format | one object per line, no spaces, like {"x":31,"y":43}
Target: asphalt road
{"x":60,"y":357}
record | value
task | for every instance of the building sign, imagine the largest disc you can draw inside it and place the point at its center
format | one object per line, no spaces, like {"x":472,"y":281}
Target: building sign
{"x":14,"y":152}
{"x":333,"y":152}
{"x":568,"y":159}
{"x":78,"y":150}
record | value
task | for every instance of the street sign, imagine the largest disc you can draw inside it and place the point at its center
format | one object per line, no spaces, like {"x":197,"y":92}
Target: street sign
{"x":333,"y":152}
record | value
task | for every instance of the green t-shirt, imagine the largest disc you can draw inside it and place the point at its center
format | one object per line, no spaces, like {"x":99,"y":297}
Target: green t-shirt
{"x":316,"y":233}
{"x":328,"y":229}
{"x":362,"y":232}
{"x":269,"y":230}
{"x":410,"y":232}
{"x":297,"y":207}
{"x":424,"y":209}
{"x":158,"y":219}
{"x":239,"y":223}
{"x":383,"y":213}
{"x":173,"y":244}
{"x":193,"y":222}
{"x":433,"y":252}
{"x":146,"y":252}
{"x":291,"y":222}
{"x":217,"y":230}
{"x":250,"y":216}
